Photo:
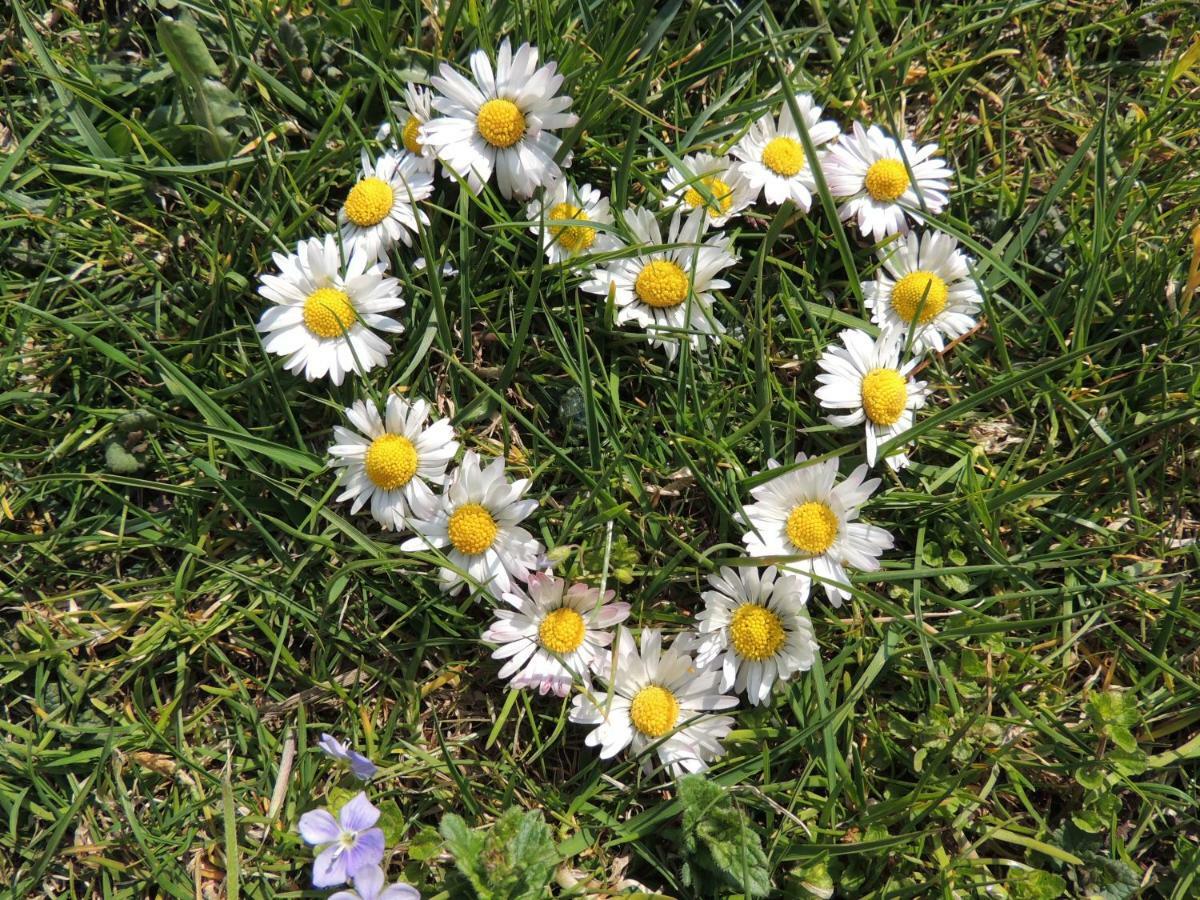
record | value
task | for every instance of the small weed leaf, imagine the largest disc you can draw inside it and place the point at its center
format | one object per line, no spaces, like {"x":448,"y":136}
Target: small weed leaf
{"x":512,"y":860}
{"x":719,"y":840}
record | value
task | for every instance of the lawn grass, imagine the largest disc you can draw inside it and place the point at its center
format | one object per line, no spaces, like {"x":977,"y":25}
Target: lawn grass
{"x":178,"y":628}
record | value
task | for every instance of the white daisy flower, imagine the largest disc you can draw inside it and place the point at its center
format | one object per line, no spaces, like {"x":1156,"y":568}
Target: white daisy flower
{"x":865,"y":377}
{"x":502,"y":121}
{"x":711,"y":183}
{"x":477,"y":517}
{"x":381,"y":207}
{"x":393,"y":460}
{"x":562,"y":202}
{"x":556,"y":635}
{"x":323,"y":315}
{"x":882,"y":179}
{"x":772,"y":155}
{"x":415,"y":111}
{"x":802,"y":513}
{"x":754,"y":630}
{"x":658,"y":699}
{"x":666,"y":287}
{"x":924,"y":285}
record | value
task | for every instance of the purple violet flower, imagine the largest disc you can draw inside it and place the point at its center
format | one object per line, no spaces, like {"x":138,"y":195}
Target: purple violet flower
{"x":361,"y":767}
{"x":346,"y":845}
{"x":368,"y":885}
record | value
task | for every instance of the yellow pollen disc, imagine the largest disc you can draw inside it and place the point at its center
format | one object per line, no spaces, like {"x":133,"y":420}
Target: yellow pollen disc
{"x":409,"y":136}
{"x":472,"y":529}
{"x":575,"y":238}
{"x":783,"y":156}
{"x":755,"y":632}
{"x":369,"y":202}
{"x":661,"y":284}
{"x":811,"y":527}
{"x":884,"y":396}
{"x":653,"y":711}
{"x":500,"y":122}
{"x":722,"y":196}
{"x":886,"y":180}
{"x":391,"y":461}
{"x":561,"y":631}
{"x":919,"y":290}
{"x":328,"y":313}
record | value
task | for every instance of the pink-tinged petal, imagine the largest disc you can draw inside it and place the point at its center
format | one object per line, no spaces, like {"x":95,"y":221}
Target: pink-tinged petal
{"x":317,"y":826}
{"x":358,"y":814}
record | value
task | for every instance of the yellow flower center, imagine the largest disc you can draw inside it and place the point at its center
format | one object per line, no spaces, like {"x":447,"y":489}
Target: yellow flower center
{"x":783,"y":156}
{"x":661,"y":284}
{"x":653,"y":711}
{"x":575,"y":238}
{"x":755,"y":632}
{"x":500,"y":122}
{"x":722,"y":196}
{"x":328,"y":313}
{"x":884,"y":396}
{"x":811,"y":527}
{"x":409,"y":136}
{"x":369,"y":202}
{"x":886,"y":180}
{"x":919,"y":290}
{"x":391,"y":461}
{"x":561,"y":631}
{"x":472,"y":529}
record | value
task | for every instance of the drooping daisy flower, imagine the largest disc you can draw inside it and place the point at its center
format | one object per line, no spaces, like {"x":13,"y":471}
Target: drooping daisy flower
{"x":369,"y":885}
{"x":502,"y":121}
{"x":361,"y":767}
{"x":865,"y":377}
{"x":391,"y":461}
{"x":477,"y":517}
{"x":572,"y":208}
{"x":556,"y":635}
{"x":381,"y":207}
{"x":754,"y":630}
{"x":802,"y":513}
{"x":882,"y":179}
{"x":416,"y":110}
{"x":772,"y":155}
{"x":658,"y":698}
{"x":924,"y":285}
{"x":323,"y":318}
{"x":711,"y":183}
{"x":345,"y":845}
{"x":666,"y":287}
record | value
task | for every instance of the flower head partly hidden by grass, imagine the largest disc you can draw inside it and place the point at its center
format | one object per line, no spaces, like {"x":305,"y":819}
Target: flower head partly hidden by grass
{"x":881,"y":180}
{"x":772,"y":154}
{"x":754,"y":629}
{"x":865,"y":379}
{"x":574,"y":210}
{"x":478,"y":518}
{"x":501,"y":122}
{"x":360,"y":767}
{"x":369,"y":885}
{"x":802,"y":514}
{"x":711,"y":183}
{"x":380,"y":209}
{"x":556,"y":636}
{"x":325,"y":317}
{"x":393,"y":460}
{"x":924,"y":287}
{"x":415,"y":111}
{"x":658,"y":699}
{"x":666,"y":287}
{"x":345,"y":845}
